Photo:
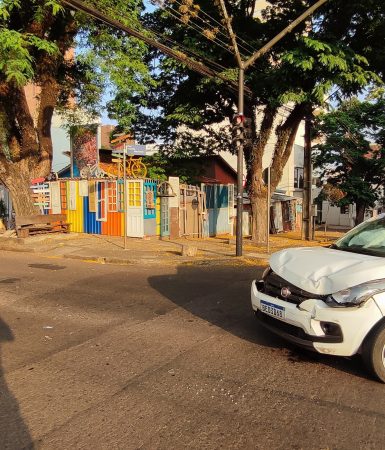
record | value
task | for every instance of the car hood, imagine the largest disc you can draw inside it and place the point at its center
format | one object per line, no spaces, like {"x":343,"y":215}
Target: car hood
{"x":324,"y":271}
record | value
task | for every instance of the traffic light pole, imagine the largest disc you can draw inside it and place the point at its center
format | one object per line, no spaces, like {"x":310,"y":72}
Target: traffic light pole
{"x":241,"y":87}
{"x":307,"y":219}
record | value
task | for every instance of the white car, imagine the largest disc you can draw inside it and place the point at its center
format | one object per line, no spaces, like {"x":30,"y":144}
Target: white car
{"x":331,"y":300}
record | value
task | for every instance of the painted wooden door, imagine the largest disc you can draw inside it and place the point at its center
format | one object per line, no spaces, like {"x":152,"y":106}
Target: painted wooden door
{"x":164,"y":217}
{"x":101,"y":201}
{"x":135,"y":213}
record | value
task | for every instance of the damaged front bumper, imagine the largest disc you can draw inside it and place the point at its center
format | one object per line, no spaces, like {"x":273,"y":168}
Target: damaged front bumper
{"x":315,"y":325}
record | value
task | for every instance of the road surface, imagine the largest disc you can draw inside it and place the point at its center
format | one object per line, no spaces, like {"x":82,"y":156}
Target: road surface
{"x":128,"y":357}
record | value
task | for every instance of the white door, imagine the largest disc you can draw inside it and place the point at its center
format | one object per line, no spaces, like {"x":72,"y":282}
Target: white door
{"x":135,"y":213}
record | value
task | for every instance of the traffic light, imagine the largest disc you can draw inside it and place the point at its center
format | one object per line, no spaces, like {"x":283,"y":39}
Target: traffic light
{"x":237,"y":131}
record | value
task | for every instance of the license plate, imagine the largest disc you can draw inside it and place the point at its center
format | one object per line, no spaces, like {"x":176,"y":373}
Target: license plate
{"x":272,"y":310}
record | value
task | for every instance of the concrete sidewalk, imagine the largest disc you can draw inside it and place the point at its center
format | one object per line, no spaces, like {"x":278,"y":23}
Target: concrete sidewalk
{"x":107,"y":249}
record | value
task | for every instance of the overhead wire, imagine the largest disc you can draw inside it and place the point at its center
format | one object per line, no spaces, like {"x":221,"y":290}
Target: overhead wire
{"x":192,"y":64}
{"x":176,"y":44}
{"x":178,"y":16}
{"x":188,"y":51}
{"x":219,"y":24}
{"x":209,"y":62}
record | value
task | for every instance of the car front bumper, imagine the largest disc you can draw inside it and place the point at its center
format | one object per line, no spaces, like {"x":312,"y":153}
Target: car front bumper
{"x":305,"y":324}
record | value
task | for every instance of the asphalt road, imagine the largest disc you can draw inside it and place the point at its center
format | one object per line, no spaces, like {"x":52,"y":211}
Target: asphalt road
{"x":128,"y":357}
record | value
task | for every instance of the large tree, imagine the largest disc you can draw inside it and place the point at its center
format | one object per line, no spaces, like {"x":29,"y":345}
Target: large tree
{"x":352,"y":153}
{"x":337,"y":48}
{"x":37,"y":38}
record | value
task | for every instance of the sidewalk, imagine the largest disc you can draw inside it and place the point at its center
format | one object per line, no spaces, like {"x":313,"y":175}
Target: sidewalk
{"x":107,"y":249}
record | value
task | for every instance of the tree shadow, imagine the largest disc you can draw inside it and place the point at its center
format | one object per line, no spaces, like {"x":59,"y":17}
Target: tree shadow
{"x":221,"y":296}
{"x":14,"y":433}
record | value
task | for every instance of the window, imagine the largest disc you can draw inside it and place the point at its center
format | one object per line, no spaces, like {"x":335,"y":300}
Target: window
{"x":63,"y":194}
{"x":72,"y":195}
{"x":344,"y":209}
{"x":150,"y":200}
{"x":120,"y":199}
{"x":101,"y":197}
{"x":134,"y":194}
{"x":112,"y":196}
{"x":298,"y":177}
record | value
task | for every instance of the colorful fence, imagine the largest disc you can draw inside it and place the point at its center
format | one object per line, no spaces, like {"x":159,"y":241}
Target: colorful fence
{"x":96,"y":206}
{"x":220,"y":208}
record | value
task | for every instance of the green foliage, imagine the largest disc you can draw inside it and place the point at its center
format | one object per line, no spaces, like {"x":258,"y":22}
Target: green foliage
{"x":33,"y":32}
{"x":16,"y":54}
{"x":313,"y":60}
{"x":351,"y":154}
{"x":160,"y":167}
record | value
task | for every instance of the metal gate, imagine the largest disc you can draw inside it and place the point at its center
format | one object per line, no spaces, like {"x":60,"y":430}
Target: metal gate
{"x":192,"y":211}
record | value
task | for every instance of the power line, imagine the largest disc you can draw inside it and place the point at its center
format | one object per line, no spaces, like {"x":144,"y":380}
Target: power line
{"x":186,"y":50}
{"x":251,"y":49}
{"x":178,"y":16}
{"x":192,"y":64}
{"x":216,"y":25}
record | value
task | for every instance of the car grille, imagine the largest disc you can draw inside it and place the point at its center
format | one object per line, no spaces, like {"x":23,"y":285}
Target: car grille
{"x":273,"y":285}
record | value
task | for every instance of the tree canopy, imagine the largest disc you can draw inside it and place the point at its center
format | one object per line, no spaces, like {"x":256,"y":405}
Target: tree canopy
{"x":70,"y":60}
{"x":337,"y":50}
{"x":351,"y":155}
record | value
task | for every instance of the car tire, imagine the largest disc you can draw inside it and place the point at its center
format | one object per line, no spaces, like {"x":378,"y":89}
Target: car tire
{"x":373,"y":352}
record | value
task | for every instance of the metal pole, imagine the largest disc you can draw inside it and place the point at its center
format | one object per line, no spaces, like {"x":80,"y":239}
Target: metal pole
{"x":240,"y":168}
{"x":268,"y":212}
{"x":71,"y":152}
{"x":307,"y":182}
{"x":125,"y":196}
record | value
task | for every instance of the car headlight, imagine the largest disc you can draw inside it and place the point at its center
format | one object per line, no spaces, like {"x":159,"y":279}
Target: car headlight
{"x":357,"y":294}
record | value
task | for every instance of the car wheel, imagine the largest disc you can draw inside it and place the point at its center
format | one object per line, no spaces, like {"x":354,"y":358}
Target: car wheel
{"x":373,"y":352}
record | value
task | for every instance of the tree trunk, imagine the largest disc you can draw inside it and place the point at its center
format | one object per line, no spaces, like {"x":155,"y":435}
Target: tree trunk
{"x":360,"y":212}
{"x":285,"y":133}
{"x":25,"y":148}
{"x":259,"y":208}
{"x":257,"y":188}
{"x":17,"y":179}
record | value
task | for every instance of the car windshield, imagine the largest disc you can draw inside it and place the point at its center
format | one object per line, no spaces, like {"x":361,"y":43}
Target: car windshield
{"x":367,"y":238}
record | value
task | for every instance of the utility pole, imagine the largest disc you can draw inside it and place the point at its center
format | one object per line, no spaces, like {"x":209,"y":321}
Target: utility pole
{"x":307,"y":220}
{"x":240,"y":113}
{"x":71,"y":151}
{"x":239,"y":234}
{"x":125,"y":200}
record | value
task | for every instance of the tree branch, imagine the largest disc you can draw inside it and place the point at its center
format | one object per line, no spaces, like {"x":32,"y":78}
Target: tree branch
{"x":231,"y":33}
{"x":286,"y":134}
{"x":283,"y":33}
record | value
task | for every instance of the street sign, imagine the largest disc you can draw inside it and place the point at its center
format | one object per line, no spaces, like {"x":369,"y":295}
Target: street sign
{"x":131,"y":150}
{"x":135,"y":149}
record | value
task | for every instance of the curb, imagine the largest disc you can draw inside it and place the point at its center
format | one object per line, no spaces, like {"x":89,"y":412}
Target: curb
{"x":44,"y":251}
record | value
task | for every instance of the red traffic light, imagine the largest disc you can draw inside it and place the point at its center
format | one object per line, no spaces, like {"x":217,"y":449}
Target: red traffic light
{"x":238,"y":119}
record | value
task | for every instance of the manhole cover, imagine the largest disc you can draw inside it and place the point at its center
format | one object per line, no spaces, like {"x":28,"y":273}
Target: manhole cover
{"x":46,"y":266}
{"x":9,"y":280}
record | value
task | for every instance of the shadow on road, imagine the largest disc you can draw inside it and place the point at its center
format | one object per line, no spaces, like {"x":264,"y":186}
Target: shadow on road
{"x":14,"y":433}
{"x":221,"y":296}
